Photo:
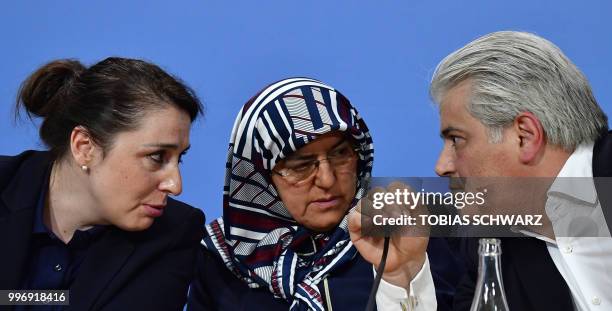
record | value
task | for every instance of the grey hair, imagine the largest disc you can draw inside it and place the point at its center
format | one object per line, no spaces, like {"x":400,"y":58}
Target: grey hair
{"x":512,"y":72}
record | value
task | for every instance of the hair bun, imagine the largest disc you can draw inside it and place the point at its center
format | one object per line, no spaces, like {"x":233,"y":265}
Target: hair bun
{"x":49,"y":87}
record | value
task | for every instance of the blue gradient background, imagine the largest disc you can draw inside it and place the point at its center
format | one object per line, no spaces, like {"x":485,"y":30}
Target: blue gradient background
{"x":380,"y":54}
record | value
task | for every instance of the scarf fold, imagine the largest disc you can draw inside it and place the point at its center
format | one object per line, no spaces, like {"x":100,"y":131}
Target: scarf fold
{"x":257,"y":239}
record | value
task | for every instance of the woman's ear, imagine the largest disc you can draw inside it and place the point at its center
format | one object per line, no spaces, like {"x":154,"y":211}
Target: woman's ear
{"x":82,"y":146}
{"x":531,"y":137}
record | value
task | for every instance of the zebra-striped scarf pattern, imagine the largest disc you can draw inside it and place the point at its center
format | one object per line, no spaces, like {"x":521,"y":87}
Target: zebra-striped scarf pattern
{"x":257,"y":239}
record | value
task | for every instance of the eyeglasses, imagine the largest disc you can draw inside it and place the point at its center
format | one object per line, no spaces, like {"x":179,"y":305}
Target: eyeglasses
{"x":340,"y":159}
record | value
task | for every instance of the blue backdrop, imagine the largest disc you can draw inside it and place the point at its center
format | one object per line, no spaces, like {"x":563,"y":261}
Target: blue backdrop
{"x":380,"y":54}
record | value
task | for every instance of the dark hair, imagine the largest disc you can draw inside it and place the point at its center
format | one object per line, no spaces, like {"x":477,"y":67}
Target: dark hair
{"x":109,"y":97}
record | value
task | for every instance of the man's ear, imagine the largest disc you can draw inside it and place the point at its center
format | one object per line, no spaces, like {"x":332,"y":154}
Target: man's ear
{"x":531,"y":137}
{"x":82,"y":146}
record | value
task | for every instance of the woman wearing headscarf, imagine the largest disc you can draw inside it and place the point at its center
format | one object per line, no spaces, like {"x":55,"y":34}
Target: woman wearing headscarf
{"x":299,"y":160}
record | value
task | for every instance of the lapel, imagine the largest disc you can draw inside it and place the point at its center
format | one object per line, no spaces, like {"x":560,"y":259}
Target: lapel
{"x":94,"y":284}
{"x":602,"y":171}
{"x":536,"y":274}
{"x":20,"y":197}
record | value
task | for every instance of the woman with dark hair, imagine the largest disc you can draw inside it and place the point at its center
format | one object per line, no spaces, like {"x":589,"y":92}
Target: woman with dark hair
{"x":92,"y":215}
{"x":300,"y":159}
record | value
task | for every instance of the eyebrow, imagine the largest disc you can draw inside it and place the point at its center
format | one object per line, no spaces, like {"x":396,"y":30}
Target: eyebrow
{"x":166,"y":146}
{"x":444,"y":133}
{"x":310,"y":156}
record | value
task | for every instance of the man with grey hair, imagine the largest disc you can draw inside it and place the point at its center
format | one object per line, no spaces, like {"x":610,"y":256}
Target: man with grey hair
{"x":511,"y":104}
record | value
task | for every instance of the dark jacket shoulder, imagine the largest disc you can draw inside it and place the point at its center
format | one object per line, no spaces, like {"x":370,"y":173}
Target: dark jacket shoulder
{"x":153,"y":267}
{"x":602,"y":156}
{"x":141,"y":270}
{"x":178,"y":218}
{"x":9,"y":166}
{"x":216,"y":288}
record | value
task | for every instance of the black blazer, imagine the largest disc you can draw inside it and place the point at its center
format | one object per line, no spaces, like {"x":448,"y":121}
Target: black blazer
{"x":146,"y":270}
{"x":216,"y":288}
{"x":531,"y":279}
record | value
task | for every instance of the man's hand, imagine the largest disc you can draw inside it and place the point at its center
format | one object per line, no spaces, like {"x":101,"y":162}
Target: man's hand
{"x":406,"y":251}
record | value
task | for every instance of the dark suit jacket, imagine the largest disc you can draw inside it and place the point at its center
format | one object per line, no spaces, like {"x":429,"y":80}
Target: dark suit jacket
{"x":531,"y":279}
{"x":146,"y":270}
{"x":216,"y":288}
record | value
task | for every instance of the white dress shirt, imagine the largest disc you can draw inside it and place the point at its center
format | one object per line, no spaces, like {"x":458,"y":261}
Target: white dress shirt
{"x":583,"y":259}
{"x":422,"y":295}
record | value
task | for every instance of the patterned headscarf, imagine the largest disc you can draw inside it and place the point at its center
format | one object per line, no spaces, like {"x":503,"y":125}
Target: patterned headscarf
{"x":257,"y":239}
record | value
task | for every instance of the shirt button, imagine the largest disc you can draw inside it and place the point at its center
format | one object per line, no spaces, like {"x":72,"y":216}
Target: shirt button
{"x":57,"y":268}
{"x":568,"y":249}
{"x":596,"y":301}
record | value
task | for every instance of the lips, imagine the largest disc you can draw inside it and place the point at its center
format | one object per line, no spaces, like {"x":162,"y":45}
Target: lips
{"x":154,"y":210}
{"x":326,"y":203}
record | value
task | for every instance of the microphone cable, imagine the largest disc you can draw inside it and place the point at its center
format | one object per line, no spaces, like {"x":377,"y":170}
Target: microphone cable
{"x":379,"y":273}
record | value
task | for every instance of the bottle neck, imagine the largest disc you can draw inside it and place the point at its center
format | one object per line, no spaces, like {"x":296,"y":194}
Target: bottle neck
{"x":489,"y":293}
{"x":489,"y":268}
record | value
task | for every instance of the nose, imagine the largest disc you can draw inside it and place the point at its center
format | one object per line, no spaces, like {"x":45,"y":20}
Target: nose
{"x":172,"y":182}
{"x":326,"y":176}
{"x":445,"y":166}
